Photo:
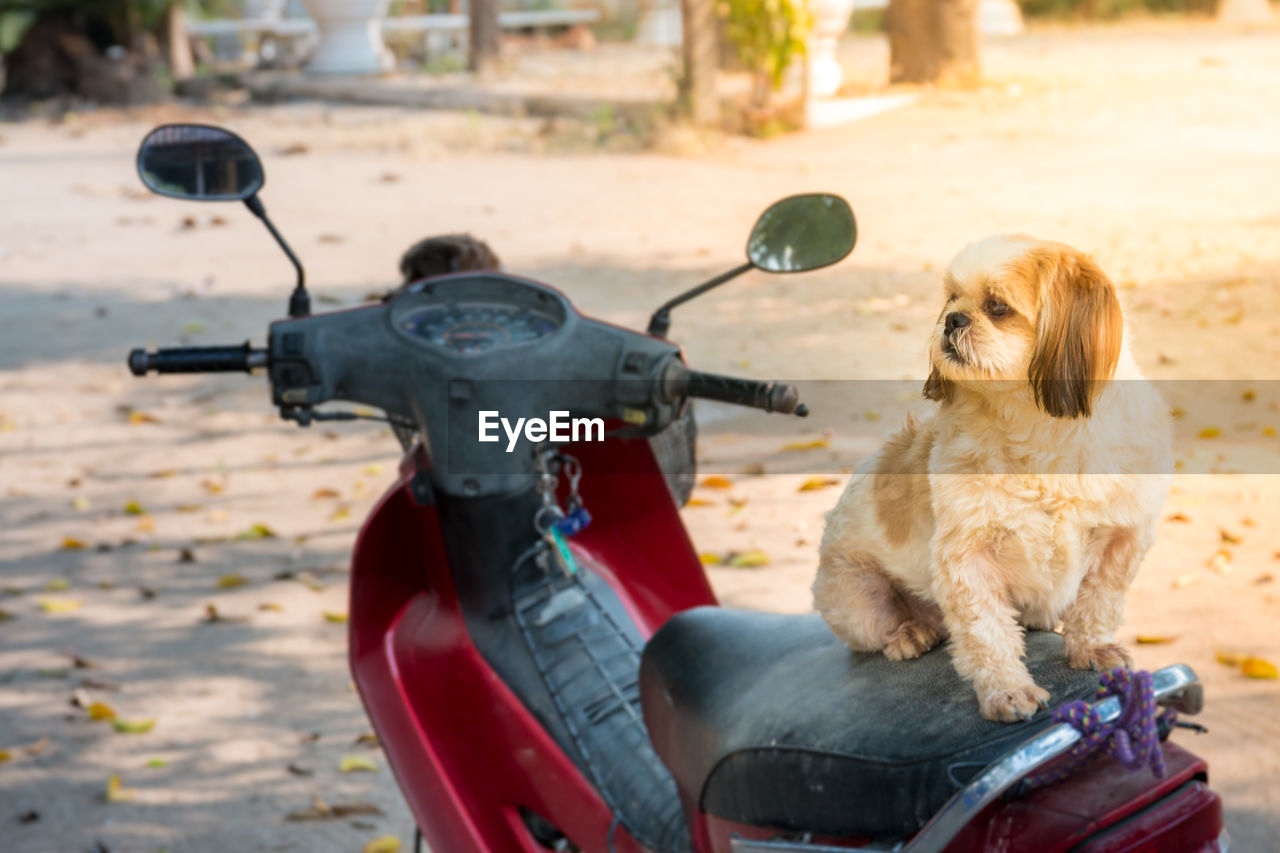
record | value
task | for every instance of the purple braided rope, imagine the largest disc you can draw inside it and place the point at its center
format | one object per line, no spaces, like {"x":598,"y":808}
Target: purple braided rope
{"x":1133,"y":738}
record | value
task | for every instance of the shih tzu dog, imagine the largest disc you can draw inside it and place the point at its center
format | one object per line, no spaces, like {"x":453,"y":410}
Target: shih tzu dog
{"x":1027,"y":500}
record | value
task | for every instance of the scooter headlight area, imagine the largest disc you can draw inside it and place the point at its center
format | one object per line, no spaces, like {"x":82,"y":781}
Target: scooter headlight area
{"x":535,"y":639}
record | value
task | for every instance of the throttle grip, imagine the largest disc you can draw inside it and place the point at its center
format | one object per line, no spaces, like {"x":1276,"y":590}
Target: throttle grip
{"x":226,"y":359}
{"x":778,"y":397}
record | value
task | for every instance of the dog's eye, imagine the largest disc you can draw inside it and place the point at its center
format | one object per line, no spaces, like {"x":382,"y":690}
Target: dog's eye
{"x":996,"y":308}
{"x":951,"y":298}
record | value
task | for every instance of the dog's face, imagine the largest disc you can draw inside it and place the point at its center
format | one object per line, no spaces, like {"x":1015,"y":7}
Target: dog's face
{"x":1025,"y":311}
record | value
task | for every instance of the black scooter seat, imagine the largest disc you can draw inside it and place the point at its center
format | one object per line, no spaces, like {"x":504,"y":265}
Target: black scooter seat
{"x":769,"y":720}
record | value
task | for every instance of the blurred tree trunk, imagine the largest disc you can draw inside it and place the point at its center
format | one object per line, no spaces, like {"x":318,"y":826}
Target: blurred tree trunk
{"x":1244,"y":11}
{"x":486,"y":37}
{"x":933,"y":41}
{"x":182,"y":64}
{"x":700,"y":50}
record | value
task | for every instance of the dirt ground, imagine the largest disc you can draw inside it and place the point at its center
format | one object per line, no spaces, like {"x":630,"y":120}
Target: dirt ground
{"x":1153,"y":147}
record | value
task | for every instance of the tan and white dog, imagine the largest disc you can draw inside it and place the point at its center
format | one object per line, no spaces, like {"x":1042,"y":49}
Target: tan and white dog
{"x":1027,"y":500}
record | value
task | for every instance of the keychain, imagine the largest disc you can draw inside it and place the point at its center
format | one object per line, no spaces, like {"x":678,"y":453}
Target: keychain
{"x":552,"y":523}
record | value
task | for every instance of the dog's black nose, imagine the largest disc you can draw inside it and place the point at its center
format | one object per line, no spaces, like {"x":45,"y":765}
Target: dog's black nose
{"x":956,"y":320}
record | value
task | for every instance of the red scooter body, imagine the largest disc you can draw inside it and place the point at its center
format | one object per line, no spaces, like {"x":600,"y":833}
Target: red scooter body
{"x":469,"y":756}
{"x":464,"y":749}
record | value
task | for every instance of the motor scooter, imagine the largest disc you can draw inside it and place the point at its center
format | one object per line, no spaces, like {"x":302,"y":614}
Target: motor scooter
{"x":535,"y":640}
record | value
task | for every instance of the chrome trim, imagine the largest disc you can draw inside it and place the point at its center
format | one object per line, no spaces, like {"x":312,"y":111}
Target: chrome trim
{"x":1175,"y":685}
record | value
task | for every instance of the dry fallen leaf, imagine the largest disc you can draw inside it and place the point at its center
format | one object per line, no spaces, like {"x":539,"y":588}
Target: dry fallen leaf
{"x":212,"y":486}
{"x":146,"y":524}
{"x":6,"y":616}
{"x":342,"y":513}
{"x":1177,"y":516}
{"x":1187,"y":579}
{"x":116,"y":791}
{"x":749,"y":560}
{"x":815,"y":444}
{"x":1228,"y":537}
{"x":57,"y":585}
{"x":133,"y":727}
{"x":1259,"y":668}
{"x":232,"y":581}
{"x":384,"y":844}
{"x":320,"y":810}
{"x":325,"y":493}
{"x":715,"y":481}
{"x":1154,"y":639}
{"x":101,"y":711}
{"x":1230,"y":658}
{"x":81,"y":503}
{"x":137,"y":417}
{"x":134,"y":508}
{"x":813,"y":484}
{"x":310,"y":580}
{"x":70,"y":543}
{"x":1209,"y":432}
{"x":40,"y":747}
{"x":1220,"y":562}
{"x":368,"y":739}
{"x":373,"y":469}
{"x":59,"y":605}
{"x":334,"y":616}
{"x":357,"y":764}
{"x":256,"y":531}
{"x":213,"y":617}
{"x":709,"y":559}
{"x":699,"y":502}
{"x":271,"y":606}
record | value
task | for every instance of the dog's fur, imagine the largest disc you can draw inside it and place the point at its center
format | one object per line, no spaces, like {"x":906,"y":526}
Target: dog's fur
{"x":444,"y":254}
{"x":1028,"y":499}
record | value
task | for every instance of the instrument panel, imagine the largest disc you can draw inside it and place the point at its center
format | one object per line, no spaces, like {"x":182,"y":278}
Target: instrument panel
{"x":470,"y":328}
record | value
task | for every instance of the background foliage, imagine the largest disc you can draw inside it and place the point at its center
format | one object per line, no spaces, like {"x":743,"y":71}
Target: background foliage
{"x":767,"y":34}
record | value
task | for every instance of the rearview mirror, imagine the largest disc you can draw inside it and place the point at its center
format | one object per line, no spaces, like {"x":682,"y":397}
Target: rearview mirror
{"x":199,"y":163}
{"x":802,"y":232}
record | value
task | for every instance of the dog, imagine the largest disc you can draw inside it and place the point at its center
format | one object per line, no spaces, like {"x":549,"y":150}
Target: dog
{"x":446,"y":253}
{"x":1027,"y":500}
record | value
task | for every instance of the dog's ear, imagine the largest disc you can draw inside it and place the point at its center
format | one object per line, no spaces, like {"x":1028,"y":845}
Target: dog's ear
{"x":1079,"y":332}
{"x":936,"y":387}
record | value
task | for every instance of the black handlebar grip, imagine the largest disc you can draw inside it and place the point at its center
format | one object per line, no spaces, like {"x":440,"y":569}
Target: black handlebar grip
{"x":768,"y":396}
{"x":238,"y":359}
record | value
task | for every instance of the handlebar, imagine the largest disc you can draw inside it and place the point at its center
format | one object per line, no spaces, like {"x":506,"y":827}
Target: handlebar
{"x":226,"y":359}
{"x":778,"y":397}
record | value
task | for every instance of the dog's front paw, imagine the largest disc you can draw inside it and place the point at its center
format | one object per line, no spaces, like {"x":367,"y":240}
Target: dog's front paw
{"x":911,"y":640}
{"x":1099,"y":656}
{"x":1011,"y":704}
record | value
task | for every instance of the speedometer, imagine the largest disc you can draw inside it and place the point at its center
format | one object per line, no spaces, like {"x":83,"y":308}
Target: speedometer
{"x":471,"y":328}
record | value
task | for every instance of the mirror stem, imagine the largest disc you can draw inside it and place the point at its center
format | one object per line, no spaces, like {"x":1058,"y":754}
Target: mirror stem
{"x":660,"y":322}
{"x":300,"y":300}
